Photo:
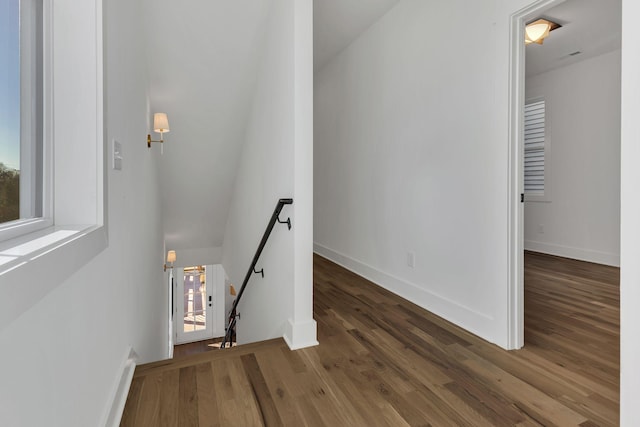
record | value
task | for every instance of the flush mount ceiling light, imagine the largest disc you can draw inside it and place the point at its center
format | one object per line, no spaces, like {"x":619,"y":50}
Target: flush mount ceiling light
{"x":538,"y":30}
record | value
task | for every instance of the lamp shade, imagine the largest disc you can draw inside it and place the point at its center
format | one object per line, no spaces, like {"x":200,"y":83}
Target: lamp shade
{"x":160,"y":123}
{"x":537,"y":31}
{"x":171,"y":256}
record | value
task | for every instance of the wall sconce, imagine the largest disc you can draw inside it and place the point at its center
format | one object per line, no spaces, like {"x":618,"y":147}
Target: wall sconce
{"x":171,"y":258}
{"x":160,"y":125}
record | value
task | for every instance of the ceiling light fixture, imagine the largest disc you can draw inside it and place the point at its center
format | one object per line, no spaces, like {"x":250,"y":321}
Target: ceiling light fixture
{"x":160,"y":125}
{"x":538,"y":30}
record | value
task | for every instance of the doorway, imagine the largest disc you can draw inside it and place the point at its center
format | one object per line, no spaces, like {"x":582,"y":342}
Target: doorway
{"x":198,"y":303}
{"x":567,"y":218}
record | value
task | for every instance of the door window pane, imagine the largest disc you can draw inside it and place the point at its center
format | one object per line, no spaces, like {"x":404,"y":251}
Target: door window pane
{"x":194,"y":299}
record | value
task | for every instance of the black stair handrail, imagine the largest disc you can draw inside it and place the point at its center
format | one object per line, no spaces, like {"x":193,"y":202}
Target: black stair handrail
{"x":274,"y":218}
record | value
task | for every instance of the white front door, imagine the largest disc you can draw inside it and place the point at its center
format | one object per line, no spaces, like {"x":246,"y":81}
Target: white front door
{"x":194,"y":320}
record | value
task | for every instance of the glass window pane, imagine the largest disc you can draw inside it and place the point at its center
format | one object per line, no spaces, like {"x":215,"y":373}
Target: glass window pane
{"x":194,"y":299}
{"x":9,"y":110}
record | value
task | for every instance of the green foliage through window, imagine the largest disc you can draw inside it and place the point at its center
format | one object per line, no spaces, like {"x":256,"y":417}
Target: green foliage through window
{"x":9,"y":194}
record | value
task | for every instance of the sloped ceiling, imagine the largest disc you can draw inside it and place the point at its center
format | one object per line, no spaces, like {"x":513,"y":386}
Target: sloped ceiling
{"x":202,"y":57}
{"x":337,"y":23}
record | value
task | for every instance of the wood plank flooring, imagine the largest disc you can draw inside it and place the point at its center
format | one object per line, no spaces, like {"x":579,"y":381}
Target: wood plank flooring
{"x":196,"y":347}
{"x":383,"y":361}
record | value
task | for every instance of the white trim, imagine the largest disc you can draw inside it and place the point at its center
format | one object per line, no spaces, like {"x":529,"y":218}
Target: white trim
{"x":170,"y":311}
{"x":101,"y":129}
{"x":120,"y":390}
{"x":28,"y":164}
{"x":463,"y":316}
{"x":515,"y":187}
{"x":303,"y":327}
{"x":630,"y":217}
{"x":46,"y":267}
{"x":53,"y":256}
{"x":47,"y":110}
{"x":219,"y":311}
{"x":13,"y":229}
{"x":301,"y":334}
{"x":606,"y":258}
{"x":29,"y":29}
{"x":515,"y":209}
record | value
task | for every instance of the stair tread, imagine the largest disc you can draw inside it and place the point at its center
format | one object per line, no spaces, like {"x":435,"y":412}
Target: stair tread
{"x":217,"y":354}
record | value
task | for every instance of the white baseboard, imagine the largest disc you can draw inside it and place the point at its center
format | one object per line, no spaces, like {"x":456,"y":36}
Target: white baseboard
{"x":574,"y":253}
{"x":300,"y":334}
{"x":480,"y":324}
{"x":120,"y":391}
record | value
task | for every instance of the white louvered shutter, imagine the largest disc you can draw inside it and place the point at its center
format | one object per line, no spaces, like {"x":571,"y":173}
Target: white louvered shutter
{"x":534,"y":133}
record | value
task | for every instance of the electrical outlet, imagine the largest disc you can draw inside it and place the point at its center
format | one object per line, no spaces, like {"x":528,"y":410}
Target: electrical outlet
{"x":411,"y":259}
{"x":541,"y":229}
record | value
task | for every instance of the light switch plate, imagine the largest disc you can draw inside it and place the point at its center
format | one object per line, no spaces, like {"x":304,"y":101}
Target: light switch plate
{"x":117,"y":155}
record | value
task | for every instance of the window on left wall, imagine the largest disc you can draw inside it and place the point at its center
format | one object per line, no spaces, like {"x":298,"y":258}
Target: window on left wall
{"x":22,"y":207}
{"x":66,"y":227}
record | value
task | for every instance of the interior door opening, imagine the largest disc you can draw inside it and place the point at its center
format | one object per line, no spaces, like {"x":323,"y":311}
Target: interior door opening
{"x":195,"y":304}
{"x":198,"y":303}
{"x":575,"y":149}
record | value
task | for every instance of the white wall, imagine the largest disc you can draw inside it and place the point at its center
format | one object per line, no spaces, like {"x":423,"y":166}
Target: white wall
{"x":411,"y":157}
{"x":217,"y":277}
{"x":198,"y":256}
{"x":630,"y":218}
{"x":580,"y":218}
{"x":336,"y":137}
{"x":276,"y":163}
{"x":63,"y":357}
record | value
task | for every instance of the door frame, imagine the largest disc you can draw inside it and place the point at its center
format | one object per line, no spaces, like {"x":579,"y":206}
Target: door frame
{"x":170,"y":285}
{"x":515,"y":214}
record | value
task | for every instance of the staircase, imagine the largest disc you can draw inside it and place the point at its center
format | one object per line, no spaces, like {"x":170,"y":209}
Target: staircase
{"x":233,"y":313}
{"x":210,"y":388}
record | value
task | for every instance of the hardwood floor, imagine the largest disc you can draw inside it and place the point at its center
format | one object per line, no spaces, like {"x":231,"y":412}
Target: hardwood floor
{"x":383,"y":361}
{"x":181,"y":350}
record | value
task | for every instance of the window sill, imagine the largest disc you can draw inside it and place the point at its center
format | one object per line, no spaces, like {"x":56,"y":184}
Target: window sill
{"x":33,"y":265}
{"x":14,"y":229}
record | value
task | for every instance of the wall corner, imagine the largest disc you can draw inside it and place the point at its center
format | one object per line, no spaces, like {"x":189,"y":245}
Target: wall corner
{"x":299,"y":335}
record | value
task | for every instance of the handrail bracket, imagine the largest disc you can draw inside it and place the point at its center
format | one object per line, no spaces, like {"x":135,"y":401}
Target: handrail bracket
{"x":288,"y":222}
